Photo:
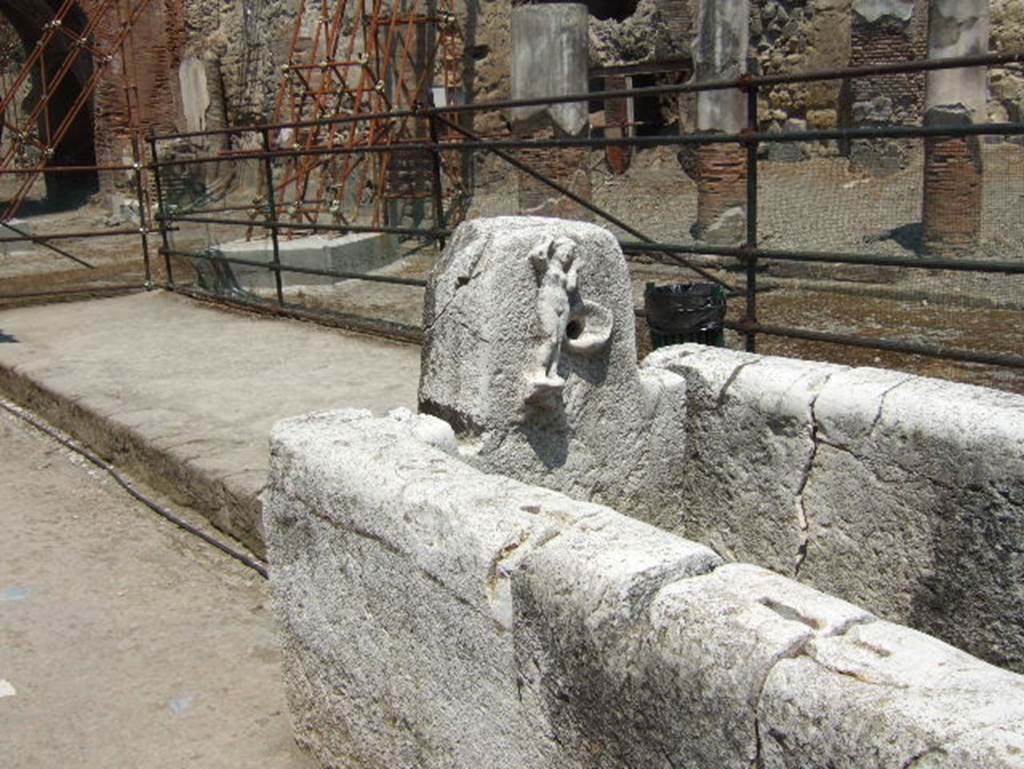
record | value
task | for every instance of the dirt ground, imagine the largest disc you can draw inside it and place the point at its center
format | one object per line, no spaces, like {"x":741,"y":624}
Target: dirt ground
{"x":125,"y":642}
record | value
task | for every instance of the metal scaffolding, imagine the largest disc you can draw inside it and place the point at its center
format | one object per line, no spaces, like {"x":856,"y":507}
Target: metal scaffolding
{"x":65,"y":49}
{"x":370,"y":63}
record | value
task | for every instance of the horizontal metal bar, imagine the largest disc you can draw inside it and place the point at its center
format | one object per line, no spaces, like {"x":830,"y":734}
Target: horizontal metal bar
{"x":762,"y":137}
{"x":271,"y":267}
{"x":1002,"y":267}
{"x":63,"y":169}
{"x":750,"y":81}
{"x":890,"y":345}
{"x":347,"y":321}
{"x":323,"y":122}
{"x":72,"y":235}
{"x":430,"y":234}
{"x":706,"y":138}
{"x":336,"y":149}
{"x":747,"y":81}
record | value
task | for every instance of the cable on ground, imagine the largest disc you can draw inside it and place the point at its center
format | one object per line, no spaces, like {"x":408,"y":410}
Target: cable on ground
{"x":121,"y":481}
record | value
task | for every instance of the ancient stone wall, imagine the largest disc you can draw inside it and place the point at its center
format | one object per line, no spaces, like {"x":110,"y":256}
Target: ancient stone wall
{"x":436,"y":616}
{"x":901,"y":493}
{"x":898,"y":492}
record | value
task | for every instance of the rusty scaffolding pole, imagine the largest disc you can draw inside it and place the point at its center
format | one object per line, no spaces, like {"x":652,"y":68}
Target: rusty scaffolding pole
{"x":104,"y":40}
{"x":371,"y":58}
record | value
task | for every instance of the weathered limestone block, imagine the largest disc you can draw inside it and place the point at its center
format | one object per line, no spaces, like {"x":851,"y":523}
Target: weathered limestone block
{"x":918,"y":492}
{"x":882,"y":695}
{"x":645,"y":664}
{"x":530,"y":354}
{"x":751,"y":444}
{"x":902,"y":493}
{"x":435,"y":616}
{"x":390,"y":563}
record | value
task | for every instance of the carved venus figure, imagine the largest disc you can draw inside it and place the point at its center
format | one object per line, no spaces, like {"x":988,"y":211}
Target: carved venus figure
{"x":557,"y":278}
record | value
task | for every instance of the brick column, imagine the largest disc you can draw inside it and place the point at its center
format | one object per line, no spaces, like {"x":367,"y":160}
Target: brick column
{"x":952,"y":197}
{"x":550,"y":58}
{"x":721,"y":189}
{"x":952,"y":205}
{"x":616,"y":116}
{"x":720,"y":52}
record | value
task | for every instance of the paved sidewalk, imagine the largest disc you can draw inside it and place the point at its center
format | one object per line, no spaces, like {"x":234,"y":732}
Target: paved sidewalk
{"x":124,"y":642}
{"x":183,"y":396}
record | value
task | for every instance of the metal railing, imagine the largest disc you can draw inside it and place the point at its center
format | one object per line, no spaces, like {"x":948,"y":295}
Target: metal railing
{"x":64,"y":243}
{"x":445,"y":131}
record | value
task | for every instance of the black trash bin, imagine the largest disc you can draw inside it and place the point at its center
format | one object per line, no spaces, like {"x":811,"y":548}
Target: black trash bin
{"x":685,"y":312}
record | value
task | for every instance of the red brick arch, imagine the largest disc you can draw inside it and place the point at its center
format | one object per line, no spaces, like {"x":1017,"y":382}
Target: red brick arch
{"x":100,"y":132}
{"x":28,"y":18}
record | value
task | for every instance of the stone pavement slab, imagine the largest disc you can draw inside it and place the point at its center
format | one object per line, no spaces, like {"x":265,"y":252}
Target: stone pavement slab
{"x":182,"y":395}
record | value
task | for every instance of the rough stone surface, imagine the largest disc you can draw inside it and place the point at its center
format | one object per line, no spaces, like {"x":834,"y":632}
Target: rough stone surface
{"x":918,"y":490}
{"x":182,"y":396}
{"x":749,"y":446}
{"x":590,"y":424}
{"x":391,"y":564}
{"x":882,"y":695}
{"x":642,"y":665}
{"x":898,"y":492}
{"x":436,"y":616}
{"x":646,"y":35}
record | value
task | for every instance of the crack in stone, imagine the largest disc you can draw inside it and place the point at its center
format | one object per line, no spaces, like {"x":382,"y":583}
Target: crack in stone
{"x":798,"y":649}
{"x":801,"y":510}
{"x":930,"y":750}
{"x":723,"y":393}
{"x":461,"y":282}
{"x":881,"y":404}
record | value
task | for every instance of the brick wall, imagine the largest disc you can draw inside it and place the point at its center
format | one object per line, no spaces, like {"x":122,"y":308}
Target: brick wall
{"x":567,"y":166}
{"x":150,"y":62}
{"x":885,"y":43}
{"x":887,"y":99}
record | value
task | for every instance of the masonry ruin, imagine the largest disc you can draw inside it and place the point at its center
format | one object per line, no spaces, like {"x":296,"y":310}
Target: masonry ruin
{"x":190,"y":66}
{"x":576,"y":553}
{"x":452,"y":590}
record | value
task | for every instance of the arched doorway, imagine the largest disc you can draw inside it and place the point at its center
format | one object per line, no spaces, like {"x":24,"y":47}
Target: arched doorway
{"x":54,"y":85}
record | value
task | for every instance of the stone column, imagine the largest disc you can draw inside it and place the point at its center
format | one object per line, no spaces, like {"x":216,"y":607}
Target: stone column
{"x":882,"y":32}
{"x":955,"y":97}
{"x":720,"y":52}
{"x":550,"y":58}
